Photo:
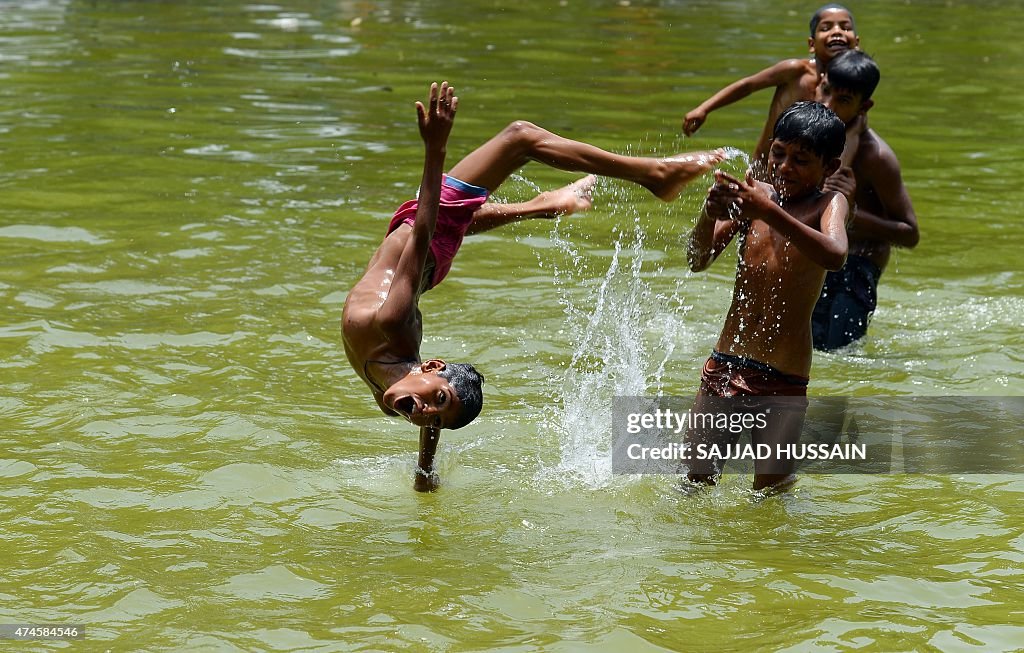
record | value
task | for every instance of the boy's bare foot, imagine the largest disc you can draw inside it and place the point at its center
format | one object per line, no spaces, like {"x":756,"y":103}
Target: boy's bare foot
{"x":576,"y":197}
{"x":681,"y":169}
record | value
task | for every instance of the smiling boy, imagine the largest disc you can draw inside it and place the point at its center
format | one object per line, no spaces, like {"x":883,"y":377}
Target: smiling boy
{"x":382,"y":327}
{"x":791,"y":232}
{"x":832,"y":32}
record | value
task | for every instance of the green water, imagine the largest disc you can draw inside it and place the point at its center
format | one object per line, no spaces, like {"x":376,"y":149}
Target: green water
{"x":187,"y":463}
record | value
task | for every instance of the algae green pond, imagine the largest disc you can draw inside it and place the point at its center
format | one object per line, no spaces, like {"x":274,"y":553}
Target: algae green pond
{"x":188,"y":190}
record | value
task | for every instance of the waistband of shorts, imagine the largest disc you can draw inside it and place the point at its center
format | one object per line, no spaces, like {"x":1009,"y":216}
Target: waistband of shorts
{"x":864,"y":262}
{"x":469,"y":189}
{"x":754,"y":364}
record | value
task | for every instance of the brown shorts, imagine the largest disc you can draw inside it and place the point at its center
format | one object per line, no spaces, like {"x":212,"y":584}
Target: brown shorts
{"x":725,"y":375}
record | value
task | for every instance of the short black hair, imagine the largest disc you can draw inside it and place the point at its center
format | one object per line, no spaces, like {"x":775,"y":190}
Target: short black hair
{"x":855,"y":71}
{"x":814,"y":126}
{"x":467,"y":383}
{"x":816,"y":18}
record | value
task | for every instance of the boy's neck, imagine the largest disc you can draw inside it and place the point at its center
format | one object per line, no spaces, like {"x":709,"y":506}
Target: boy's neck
{"x":819,"y":65}
{"x":389,"y":371}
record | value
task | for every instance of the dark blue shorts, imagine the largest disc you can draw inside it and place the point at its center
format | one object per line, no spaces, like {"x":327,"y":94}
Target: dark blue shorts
{"x":848,"y":299}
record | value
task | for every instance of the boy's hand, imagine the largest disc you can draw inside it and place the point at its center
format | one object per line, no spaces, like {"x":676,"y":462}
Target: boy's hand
{"x":719,"y":201}
{"x":693,"y":120}
{"x":858,"y":125}
{"x":751,"y":199}
{"x":842,"y":181}
{"x":435,"y":120}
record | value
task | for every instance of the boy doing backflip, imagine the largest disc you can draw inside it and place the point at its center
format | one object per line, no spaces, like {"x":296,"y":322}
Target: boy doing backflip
{"x":790,"y":233}
{"x":832,"y":32}
{"x":883,"y":215}
{"x":382,"y":327}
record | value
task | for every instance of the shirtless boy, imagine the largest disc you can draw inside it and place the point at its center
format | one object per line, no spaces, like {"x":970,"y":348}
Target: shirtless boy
{"x":381,"y":324}
{"x":883,"y":215}
{"x":832,"y":32}
{"x":791,"y":232}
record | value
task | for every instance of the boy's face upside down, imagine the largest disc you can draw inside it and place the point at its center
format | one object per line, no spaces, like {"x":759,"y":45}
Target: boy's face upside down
{"x":424,"y":398}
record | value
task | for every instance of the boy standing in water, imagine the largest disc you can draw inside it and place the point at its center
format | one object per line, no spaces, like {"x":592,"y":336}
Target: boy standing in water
{"x":791,"y":232}
{"x":381,"y":323}
{"x":832,"y":32}
{"x":883,"y":215}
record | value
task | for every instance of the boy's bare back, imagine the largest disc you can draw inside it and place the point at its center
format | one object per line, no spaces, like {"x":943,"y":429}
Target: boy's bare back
{"x":880,"y":192}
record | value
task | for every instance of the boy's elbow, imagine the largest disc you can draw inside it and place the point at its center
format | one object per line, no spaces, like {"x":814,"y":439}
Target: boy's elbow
{"x":913,"y":237}
{"x":835,"y":261}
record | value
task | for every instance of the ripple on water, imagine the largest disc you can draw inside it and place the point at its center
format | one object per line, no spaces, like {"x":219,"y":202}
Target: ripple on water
{"x":50,"y":234}
{"x":273,"y":583}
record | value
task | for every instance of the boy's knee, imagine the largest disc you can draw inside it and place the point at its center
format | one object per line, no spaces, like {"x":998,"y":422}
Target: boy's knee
{"x":523,"y":132}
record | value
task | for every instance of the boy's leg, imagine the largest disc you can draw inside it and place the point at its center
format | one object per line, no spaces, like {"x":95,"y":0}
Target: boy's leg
{"x":548,"y":204}
{"x":783,"y":432}
{"x":521,"y":142}
{"x":702,"y":468}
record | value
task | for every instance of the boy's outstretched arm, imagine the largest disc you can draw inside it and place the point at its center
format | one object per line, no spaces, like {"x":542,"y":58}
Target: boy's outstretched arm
{"x":435,"y":123}
{"x":781,"y":73}
{"x":827,"y":247}
{"x":427,"y":479}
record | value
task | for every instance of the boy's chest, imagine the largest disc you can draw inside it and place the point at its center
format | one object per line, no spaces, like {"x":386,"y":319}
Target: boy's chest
{"x":766,"y":250}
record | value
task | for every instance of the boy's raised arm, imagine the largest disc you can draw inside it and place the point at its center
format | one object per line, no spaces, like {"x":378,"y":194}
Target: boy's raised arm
{"x":827,"y":247}
{"x":777,"y":75}
{"x":435,"y":123}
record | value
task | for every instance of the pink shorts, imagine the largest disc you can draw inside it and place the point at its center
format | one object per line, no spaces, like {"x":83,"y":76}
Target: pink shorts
{"x":459,"y":201}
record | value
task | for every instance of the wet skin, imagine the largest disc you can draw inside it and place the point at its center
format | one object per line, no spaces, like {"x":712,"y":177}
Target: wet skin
{"x":790,"y":234}
{"x":872,"y":179}
{"x":793,"y":79}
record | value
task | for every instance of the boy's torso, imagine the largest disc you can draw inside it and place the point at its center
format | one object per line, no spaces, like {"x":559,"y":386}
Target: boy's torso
{"x":366,"y":333}
{"x":774,"y":295}
{"x":801,"y":87}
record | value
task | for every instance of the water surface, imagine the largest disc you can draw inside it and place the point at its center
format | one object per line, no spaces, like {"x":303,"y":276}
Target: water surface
{"x":187,"y":462}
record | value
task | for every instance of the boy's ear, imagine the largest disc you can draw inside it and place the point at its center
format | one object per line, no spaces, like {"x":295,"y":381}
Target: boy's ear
{"x":866,"y":105}
{"x":433,"y":365}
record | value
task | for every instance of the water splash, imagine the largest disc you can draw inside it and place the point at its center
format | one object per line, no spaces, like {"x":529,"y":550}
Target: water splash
{"x":626,"y":335}
{"x":734,"y":153}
